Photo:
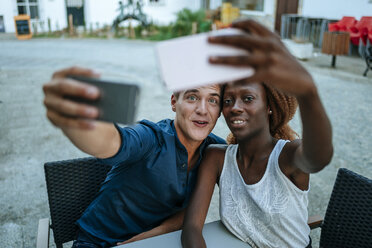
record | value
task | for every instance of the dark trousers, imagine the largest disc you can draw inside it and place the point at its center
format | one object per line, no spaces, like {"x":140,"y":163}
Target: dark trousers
{"x":84,"y":240}
{"x":83,"y":244}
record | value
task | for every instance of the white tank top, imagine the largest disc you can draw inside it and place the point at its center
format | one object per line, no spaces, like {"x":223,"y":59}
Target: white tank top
{"x":270,"y":213}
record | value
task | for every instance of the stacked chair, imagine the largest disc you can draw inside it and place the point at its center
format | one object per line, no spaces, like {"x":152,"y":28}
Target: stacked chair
{"x":360,"y":35}
{"x":358,"y":30}
{"x":342,"y":25}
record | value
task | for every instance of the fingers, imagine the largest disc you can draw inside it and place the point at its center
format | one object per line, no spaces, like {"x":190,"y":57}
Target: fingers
{"x":63,"y":112}
{"x":70,"y":87}
{"x":247,"y":42}
{"x":70,"y":108}
{"x":77,"y":71}
{"x":252,"y":27}
{"x":68,"y":122}
{"x":253,"y":60}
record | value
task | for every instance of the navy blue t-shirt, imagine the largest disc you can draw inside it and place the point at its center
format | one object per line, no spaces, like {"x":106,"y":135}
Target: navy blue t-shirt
{"x":148,"y":183}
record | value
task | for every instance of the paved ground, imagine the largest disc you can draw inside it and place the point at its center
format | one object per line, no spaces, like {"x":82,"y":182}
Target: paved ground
{"x":27,"y":139}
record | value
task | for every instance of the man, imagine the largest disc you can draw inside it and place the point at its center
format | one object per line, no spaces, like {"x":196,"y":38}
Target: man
{"x":154,"y":164}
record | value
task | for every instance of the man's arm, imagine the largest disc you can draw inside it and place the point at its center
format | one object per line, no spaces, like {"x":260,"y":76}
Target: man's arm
{"x":76,"y":120}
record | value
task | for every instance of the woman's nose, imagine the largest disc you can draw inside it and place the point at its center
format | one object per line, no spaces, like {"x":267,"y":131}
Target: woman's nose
{"x":237,"y":106}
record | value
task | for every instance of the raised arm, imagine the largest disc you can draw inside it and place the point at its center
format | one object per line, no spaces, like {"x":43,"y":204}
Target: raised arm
{"x":274,"y":65}
{"x":197,"y":210}
{"x":76,"y":120}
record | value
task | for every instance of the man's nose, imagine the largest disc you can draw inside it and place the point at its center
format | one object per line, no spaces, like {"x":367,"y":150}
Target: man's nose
{"x":202,"y":107}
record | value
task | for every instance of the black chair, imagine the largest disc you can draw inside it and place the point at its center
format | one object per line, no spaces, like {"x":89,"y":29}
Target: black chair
{"x":71,"y":185}
{"x":348,"y":219}
{"x":368,"y":57}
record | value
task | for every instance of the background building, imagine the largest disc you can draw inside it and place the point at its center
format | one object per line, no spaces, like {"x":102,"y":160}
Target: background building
{"x":103,"y":12}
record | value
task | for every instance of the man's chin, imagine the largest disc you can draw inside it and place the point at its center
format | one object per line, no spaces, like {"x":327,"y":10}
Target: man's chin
{"x":200,"y":136}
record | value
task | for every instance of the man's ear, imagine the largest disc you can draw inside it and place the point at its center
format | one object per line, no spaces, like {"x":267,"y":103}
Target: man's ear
{"x":173,"y":102}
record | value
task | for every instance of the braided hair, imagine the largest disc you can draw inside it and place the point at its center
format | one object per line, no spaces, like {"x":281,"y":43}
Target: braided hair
{"x":283,"y":108}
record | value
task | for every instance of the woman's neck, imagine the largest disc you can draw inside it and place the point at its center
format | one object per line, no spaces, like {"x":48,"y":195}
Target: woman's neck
{"x":255,"y":148}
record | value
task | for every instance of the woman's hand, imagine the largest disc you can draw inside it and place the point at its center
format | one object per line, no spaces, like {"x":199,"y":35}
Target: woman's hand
{"x":153,"y":232}
{"x":271,"y":60}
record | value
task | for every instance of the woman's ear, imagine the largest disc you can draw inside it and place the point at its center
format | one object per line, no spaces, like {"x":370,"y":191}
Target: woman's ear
{"x":269,"y":111}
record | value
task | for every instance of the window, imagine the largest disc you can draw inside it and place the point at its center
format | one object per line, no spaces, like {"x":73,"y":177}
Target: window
{"x":28,"y":7}
{"x":156,"y":2}
{"x":254,"y":5}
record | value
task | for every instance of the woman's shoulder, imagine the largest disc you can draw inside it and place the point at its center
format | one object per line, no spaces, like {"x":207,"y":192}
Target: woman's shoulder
{"x":215,"y":154}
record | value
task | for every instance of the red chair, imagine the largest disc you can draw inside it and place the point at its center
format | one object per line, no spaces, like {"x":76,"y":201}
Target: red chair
{"x":360,"y":30}
{"x":343,"y":24}
{"x":370,"y":34}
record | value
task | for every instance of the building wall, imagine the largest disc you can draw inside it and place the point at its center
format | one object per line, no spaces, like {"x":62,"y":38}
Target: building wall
{"x":164,"y":14}
{"x":53,"y":9}
{"x":56,"y":11}
{"x":104,"y":12}
{"x":336,"y":9}
{"x":267,"y":16}
{"x":8,"y":10}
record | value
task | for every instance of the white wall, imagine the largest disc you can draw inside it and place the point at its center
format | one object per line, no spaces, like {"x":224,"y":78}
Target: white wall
{"x":8,"y":10}
{"x":53,"y":9}
{"x":336,"y":9}
{"x":56,"y":11}
{"x":164,"y":14}
{"x":102,"y":11}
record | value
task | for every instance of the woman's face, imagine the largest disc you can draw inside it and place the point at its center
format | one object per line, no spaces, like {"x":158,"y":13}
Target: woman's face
{"x":245,"y":109}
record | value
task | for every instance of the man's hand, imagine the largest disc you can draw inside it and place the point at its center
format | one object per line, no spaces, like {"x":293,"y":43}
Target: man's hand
{"x":272,"y":62}
{"x":65,"y":113}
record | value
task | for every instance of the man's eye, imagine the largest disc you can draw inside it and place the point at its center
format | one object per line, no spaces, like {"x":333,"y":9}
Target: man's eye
{"x":214,"y":101}
{"x":248,"y":99}
{"x":192,"y":98}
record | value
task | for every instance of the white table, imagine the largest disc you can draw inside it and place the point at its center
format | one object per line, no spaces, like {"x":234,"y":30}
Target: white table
{"x":215,"y":234}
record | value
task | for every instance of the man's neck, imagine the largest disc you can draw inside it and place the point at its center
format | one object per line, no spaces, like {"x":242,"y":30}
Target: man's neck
{"x":192,"y":148}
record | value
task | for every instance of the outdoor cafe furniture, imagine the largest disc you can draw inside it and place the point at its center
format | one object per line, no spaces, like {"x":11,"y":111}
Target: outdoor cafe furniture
{"x":335,"y":43}
{"x":215,"y":235}
{"x":368,"y":58}
{"x":73,"y":184}
{"x":342,"y":25}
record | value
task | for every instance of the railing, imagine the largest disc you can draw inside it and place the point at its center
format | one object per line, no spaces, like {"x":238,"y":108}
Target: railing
{"x":304,"y":29}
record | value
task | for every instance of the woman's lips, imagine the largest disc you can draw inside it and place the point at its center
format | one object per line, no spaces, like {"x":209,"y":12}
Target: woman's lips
{"x":237,"y":123}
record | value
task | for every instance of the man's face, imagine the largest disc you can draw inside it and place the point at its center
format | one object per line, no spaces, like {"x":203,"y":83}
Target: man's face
{"x":197,"y":111}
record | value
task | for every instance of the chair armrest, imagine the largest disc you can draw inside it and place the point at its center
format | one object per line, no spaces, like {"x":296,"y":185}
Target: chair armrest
{"x":43,"y":234}
{"x":315,"y":221}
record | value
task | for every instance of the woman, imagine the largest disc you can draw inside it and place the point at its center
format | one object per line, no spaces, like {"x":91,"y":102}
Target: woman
{"x":264,"y":178}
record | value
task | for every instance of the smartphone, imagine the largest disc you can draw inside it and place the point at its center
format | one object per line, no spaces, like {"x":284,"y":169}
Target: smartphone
{"x":184,"y":62}
{"x":118,"y":102}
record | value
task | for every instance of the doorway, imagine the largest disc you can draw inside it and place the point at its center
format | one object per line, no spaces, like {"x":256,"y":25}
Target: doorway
{"x":284,"y":7}
{"x":76,"y":9}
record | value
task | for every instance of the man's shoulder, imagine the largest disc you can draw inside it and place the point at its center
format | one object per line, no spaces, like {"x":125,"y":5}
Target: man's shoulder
{"x":214,"y":139}
{"x":161,"y":130}
{"x":164,"y":125}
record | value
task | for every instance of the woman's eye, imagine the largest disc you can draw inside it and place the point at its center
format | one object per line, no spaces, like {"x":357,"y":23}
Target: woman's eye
{"x":248,"y":98}
{"x":227,"y":101}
